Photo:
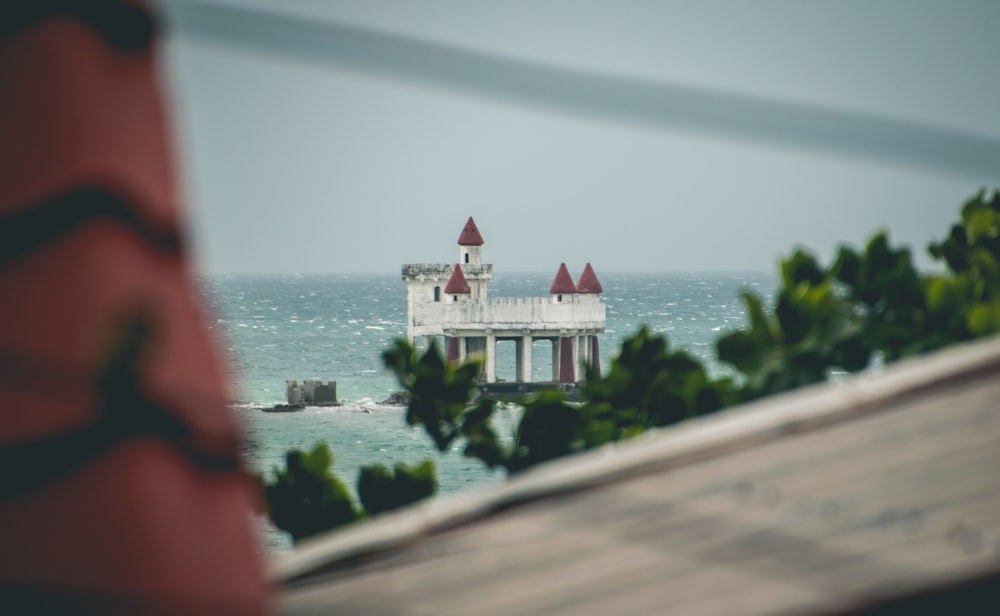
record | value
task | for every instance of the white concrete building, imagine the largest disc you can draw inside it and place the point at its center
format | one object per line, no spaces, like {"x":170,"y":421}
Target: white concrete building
{"x":452,"y":301}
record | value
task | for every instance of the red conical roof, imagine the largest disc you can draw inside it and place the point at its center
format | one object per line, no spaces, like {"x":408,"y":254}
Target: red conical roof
{"x":457,"y":283}
{"x":470,"y":235}
{"x":588,"y":282}
{"x":563,"y":282}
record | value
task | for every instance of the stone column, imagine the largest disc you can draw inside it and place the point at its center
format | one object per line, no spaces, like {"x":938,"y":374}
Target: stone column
{"x":463,"y":349}
{"x":581,"y":355}
{"x":577,"y":361}
{"x":556,"y":350}
{"x":409,"y":315}
{"x":567,"y":359}
{"x":427,"y":342}
{"x":519,"y":360}
{"x":491,"y":357}
{"x":595,"y":354}
{"x":524,"y":357}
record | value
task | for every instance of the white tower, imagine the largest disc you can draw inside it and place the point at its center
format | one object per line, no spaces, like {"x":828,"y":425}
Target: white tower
{"x":470,"y":244}
{"x":470,"y":255}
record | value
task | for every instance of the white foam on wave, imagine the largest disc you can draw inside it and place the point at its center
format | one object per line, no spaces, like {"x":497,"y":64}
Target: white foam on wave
{"x":245,"y":405}
{"x":255,"y":405}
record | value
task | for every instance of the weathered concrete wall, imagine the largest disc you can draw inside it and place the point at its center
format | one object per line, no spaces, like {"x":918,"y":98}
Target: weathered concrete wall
{"x":509,"y":314}
{"x":426,"y":271}
{"x":293,"y":392}
{"x":422,"y":278}
{"x":312,"y":393}
{"x":440,"y":272}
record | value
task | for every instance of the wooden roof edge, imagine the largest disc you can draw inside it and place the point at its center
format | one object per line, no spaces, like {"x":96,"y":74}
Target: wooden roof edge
{"x":804,"y":410}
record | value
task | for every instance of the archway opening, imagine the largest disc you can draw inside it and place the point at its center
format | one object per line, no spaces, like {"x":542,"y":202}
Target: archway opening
{"x":541,"y":361}
{"x":506,"y":358}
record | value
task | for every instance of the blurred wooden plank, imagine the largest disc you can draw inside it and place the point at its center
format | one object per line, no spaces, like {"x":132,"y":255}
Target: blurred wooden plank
{"x":825,"y":500}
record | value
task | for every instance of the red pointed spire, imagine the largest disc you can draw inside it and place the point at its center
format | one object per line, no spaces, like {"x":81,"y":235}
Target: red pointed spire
{"x":470,"y":235}
{"x":588,"y":282}
{"x":563,"y":282}
{"x":457,"y":283}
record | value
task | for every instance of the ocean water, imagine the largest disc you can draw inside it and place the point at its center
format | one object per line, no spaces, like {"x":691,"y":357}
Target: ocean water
{"x":334,"y":327}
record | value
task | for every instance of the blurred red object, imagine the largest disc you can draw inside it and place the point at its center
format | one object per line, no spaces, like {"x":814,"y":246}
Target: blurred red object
{"x":121,"y":489}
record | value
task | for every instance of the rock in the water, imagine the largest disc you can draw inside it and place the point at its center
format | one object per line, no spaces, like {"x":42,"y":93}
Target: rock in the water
{"x":284,"y":408}
{"x":397,"y":398}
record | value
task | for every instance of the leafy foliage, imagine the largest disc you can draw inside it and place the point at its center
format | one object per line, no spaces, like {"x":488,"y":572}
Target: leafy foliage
{"x":306,"y":498}
{"x":972,"y":253}
{"x":871,"y":304}
{"x":439,"y":390}
{"x":382,"y":489}
{"x":868,"y":304}
{"x":648,"y":386}
{"x":810,"y":330}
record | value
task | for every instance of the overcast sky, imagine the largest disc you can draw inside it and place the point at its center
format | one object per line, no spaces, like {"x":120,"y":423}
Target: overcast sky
{"x":297,"y":166}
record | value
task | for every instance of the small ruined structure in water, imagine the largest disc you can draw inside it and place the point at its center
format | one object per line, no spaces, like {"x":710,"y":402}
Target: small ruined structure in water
{"x":311,"y":393}
{"x":451,"y":301}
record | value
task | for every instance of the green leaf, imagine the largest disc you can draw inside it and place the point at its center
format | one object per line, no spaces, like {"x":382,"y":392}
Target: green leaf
{"x":382,"y":489}
{"x":741,"y":349}
{"x":847,"y":267}
{"x":801,"y":267}
{"x":481,"y":440}
{"x":984,"y":318}
{"x":305,"y":498}
{"x":549,"y":428}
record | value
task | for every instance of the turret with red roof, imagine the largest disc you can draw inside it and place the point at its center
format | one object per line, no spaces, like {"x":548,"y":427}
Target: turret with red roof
{"x":589,"y":287}
{"x":457,"y":284}
{"x":562,"y":285}
{"x":470,"y":244}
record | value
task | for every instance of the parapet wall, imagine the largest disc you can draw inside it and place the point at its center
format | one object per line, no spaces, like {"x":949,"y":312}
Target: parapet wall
{"x":509,"y":314}
{"x":424,"y":271}
{"x":441,"y":271}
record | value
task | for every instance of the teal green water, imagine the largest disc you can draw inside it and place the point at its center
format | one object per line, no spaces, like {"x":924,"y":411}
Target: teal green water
{"x":335,"y":327}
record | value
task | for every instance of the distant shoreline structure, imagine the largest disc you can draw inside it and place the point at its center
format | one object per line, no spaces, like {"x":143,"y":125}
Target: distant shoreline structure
{"x":450,"y":302}
{"x":323,"y":394}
